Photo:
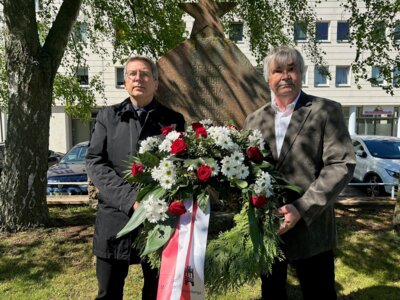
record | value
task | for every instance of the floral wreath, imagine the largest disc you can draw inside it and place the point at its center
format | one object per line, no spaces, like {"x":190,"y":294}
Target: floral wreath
{"x":202,"y":162}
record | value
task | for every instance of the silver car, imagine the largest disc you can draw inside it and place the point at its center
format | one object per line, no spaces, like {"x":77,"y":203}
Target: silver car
{"x":378,"y":161}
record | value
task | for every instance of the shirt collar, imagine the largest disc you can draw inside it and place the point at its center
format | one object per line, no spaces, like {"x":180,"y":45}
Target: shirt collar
{"x":289,"y":107}
{"x":146,"y":108}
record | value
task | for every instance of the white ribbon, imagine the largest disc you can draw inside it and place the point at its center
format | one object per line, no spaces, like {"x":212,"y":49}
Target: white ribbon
{"x":182,"y":263}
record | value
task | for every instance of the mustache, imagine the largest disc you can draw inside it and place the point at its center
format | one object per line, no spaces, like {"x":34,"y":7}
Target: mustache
{"x":286,"y":82}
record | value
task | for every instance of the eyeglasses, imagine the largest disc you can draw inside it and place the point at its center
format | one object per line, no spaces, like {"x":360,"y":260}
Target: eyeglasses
{"x":142,"y":74}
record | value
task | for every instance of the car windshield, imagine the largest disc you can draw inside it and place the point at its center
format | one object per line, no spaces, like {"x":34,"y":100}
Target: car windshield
{"x":384,"y":149}
{"x":76,"y":155}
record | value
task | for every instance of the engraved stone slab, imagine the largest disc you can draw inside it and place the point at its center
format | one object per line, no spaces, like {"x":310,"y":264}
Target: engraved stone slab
{"x":208,"y":77}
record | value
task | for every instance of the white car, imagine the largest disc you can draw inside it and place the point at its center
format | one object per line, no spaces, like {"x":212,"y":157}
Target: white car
{"x":378,"y":161}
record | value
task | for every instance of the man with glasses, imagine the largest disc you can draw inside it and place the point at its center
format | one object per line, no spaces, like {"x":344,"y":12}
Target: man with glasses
{"x":116,"y":136}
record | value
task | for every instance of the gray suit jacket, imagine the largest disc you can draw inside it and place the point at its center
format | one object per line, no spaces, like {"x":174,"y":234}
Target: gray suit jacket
{"x":316,"y":155}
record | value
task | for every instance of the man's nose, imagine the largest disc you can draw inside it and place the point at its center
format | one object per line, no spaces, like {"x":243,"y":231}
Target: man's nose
{"x":286,"y":74}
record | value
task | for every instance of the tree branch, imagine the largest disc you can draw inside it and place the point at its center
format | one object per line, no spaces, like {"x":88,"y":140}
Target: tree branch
{"x":59,"y":33}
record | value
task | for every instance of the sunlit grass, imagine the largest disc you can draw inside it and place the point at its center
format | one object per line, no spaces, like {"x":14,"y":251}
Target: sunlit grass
{"x":57,"y":262}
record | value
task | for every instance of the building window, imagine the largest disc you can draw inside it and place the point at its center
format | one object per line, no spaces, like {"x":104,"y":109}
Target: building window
{"x":396,"y":77}
{"x":304,"y":79}
{"x":236,"y":32}
{"x":119,"y":76}
{"x":300,"y":32}
{"x":82,"y":74}
{"x":80,"y":33}
{"x":376,"y":77}
{"x":322,"y":31}
{"x":343,"y":31}
{"x":385,"y":124}
{"x":396,"y":33}
{"x":342,"y":76}
{"x":378,"y":31}
{"x":321,"y":76}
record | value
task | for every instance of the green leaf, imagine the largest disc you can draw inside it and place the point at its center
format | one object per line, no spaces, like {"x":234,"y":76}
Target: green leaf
{"x":137,"y":218}
{"x":202,"y":200}
{"x":255,"y":232}
{"x":144,"y":191}
{"x":159,"y":236}
{"x":241,"y":184}
{"x":148,"y":159}
{"x":157,"y":193}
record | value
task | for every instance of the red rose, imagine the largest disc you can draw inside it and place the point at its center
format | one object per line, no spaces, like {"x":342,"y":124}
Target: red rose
{"x":167,"y":129}
{"x":197,"y":125}
{"x":258,"y":201}
{"x":137,"y":169}
{"x":204,"y":173}
{"x":230,"y":126}
{"x":201,"y":131}
{"x":254,"y":154}
{"x":178,"y":146}
{"x":177,"y":208}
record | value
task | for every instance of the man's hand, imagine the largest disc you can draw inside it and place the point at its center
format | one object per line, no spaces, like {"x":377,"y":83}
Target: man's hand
{"x":291,"y":217}
{"x":136,"y":205}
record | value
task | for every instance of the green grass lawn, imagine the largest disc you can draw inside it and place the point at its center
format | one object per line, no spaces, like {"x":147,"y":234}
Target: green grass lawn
{"x":56,"y":263}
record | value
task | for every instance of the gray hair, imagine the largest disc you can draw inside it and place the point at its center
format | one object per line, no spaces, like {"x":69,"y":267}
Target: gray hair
{"x":153,"y":66}
{"x":281,"y":56}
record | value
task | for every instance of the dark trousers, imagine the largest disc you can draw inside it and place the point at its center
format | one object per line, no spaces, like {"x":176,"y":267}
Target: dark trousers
{"x":111,"y":274}
{"x":316,"y":275}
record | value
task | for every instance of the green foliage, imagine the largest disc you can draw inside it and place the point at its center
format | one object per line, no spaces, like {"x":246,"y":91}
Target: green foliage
{"x":78,"y":100}
{"x":137,"y":219}
{"x":373,"y":31}
{"x":159,"y":236}
{"x":240,"y":255}
{"x":150,"y":27}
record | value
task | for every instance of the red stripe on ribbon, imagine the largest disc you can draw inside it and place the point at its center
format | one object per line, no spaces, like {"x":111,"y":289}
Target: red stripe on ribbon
{"x":186,"y":285}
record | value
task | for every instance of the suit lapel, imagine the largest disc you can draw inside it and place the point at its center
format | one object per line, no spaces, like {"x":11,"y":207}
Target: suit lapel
{"x":267,"y":127}
{"x":299,"y":116}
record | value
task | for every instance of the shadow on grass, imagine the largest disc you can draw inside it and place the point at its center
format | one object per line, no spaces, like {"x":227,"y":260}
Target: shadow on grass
{"x":378,"y":292}
{"x":374,"y":246}
{"x":41,"y":254}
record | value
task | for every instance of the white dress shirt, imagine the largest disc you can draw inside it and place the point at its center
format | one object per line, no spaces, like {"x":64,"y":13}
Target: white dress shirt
{"x":282,"y":120}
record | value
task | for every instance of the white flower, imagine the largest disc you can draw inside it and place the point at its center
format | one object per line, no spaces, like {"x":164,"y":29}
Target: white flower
{"x":173,"y":135}
{"x":221,"y":137}
{"x":165,"y":146}
{"x":233,"y":167}
{"x":149,"y":144}
{"x":165,"y":174}
{"x":256,"y":139}
{"x":263,"y":184}
{"x":155,"y":209}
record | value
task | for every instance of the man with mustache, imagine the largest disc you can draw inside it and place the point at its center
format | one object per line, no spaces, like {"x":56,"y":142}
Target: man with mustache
{"x":311,"y":146}
{"x":117,"y":134}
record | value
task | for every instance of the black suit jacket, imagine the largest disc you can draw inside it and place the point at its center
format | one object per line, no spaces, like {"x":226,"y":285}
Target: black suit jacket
{"x":116,"y":136}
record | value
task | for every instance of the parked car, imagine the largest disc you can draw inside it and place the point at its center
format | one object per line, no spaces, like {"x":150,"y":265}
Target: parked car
{"x":378,"y":161}
{"x":71,"y":168}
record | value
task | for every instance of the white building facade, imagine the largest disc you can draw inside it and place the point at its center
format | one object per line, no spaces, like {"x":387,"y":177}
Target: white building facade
{"x":369,"y":110}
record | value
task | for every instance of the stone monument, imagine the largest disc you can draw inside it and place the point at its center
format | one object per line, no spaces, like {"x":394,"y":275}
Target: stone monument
{"x":207,"y":76}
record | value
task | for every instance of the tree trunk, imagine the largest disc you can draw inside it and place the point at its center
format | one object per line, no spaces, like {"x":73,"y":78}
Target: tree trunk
{"x":396,"y":214}
{"x":31,"y":70}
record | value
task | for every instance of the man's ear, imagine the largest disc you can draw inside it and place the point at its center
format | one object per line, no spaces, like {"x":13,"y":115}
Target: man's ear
{"x":156,"y":84}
